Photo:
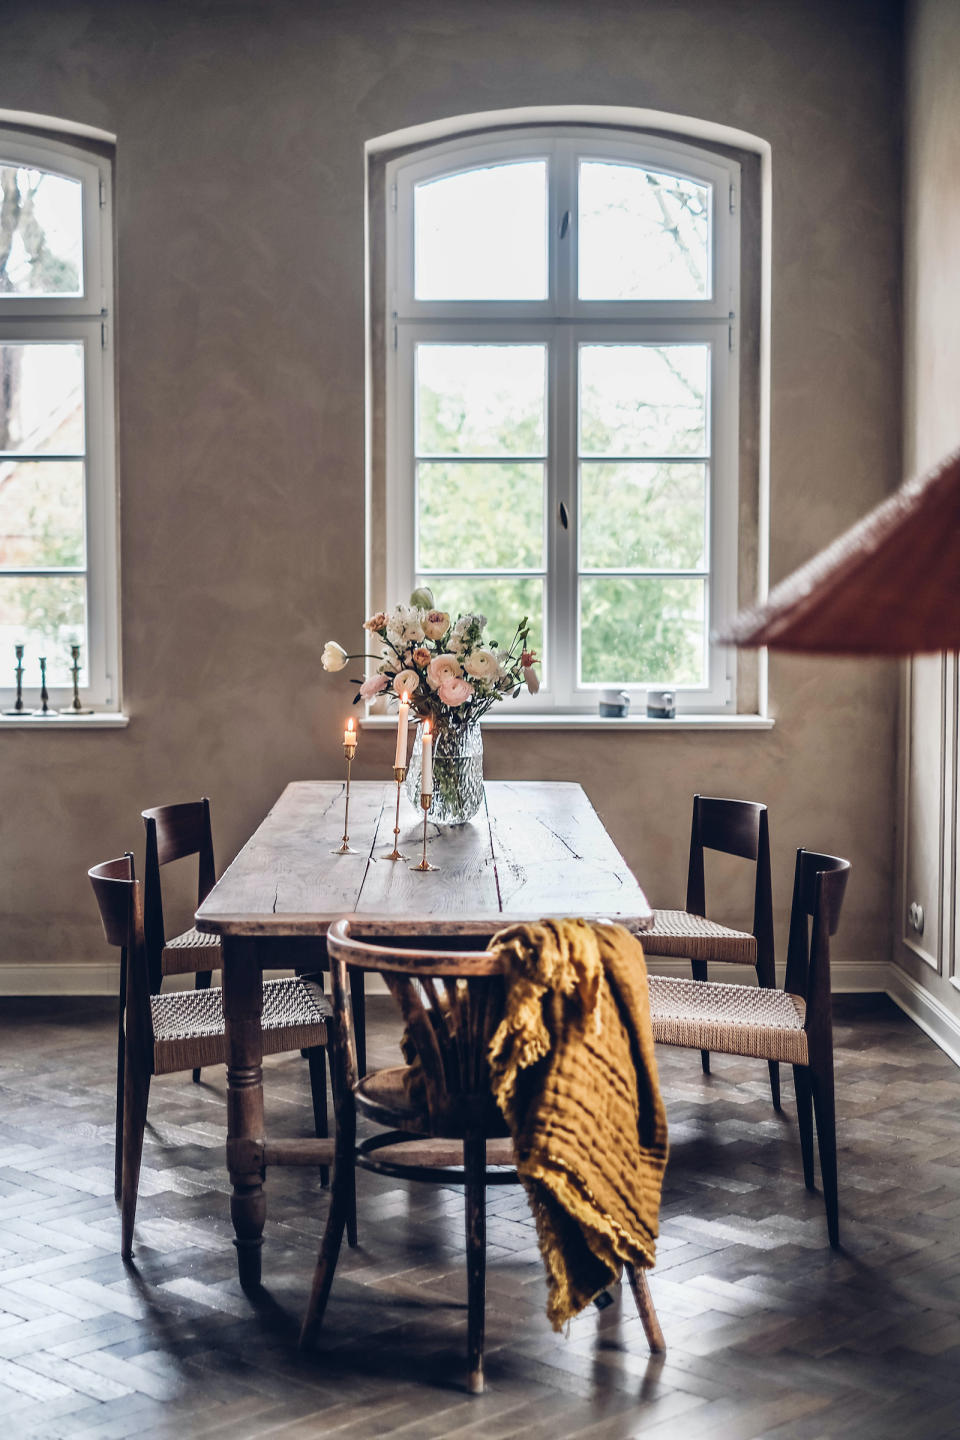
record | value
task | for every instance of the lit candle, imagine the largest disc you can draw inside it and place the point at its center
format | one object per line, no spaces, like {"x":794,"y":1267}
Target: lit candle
{"x":350,"y":735}
{"x":426,"y":773}
{"x":403,"y":719}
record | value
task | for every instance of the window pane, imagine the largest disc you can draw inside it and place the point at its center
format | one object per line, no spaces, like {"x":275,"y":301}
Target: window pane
{"x":643,"y":235}
{"x":642,"y":631}
{"x":645,"y":517}
{"x":481,"y":399}
{"x":482,"y":234}
{"x":41,"y":513}
{"x":41,"y":398}
{"x":46,"y":613}
{"x":45,"y":215}
{"x":504,"y":601}
{"x":643,"y":399}
{"x":479,"y":517}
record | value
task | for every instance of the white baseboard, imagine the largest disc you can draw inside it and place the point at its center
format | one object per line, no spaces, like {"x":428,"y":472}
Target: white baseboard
{"x":926,"y":1011}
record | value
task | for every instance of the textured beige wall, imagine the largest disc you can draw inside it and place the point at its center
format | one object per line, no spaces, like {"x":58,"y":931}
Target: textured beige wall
{"x":239,"y":204}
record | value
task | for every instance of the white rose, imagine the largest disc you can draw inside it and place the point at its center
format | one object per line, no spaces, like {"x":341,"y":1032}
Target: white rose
{"x":334,"y":656}
{"x":482,"y":665}
{"x":442,"y":667}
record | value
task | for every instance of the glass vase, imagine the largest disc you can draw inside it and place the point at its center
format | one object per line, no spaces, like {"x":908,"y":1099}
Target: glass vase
{"x":457,"y":773}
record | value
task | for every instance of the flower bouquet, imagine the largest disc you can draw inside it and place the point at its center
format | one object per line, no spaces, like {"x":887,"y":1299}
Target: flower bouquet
{"x":451,"y":676}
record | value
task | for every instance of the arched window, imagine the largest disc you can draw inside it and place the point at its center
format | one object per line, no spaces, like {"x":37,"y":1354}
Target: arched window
{"x":562,"y":400}
{"x":58,"y":584}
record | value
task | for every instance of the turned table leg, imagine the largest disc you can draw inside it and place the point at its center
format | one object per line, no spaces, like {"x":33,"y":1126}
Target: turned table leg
{"x":242,"y":1008}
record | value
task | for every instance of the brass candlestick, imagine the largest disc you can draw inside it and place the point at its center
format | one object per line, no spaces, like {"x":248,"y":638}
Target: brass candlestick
{"x":75,"y":708}
{"x":425,"y":863}
{"x":18,"y":706}
{"x":399,"y":774}
{"x":345,"y":848}
{"x":44,"y":710}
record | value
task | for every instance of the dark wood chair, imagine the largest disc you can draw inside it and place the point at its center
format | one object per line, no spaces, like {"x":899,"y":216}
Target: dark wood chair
{"x":184,"y":1029}
{"x":451,"y":1003}
{"x":792,"y":1025}
{"x":178,"y":832}
{"x":732,"y":827}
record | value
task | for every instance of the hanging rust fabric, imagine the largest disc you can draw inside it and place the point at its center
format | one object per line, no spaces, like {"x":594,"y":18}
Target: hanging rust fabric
{"x":573,"y":1071}
{"x":890,"y":585}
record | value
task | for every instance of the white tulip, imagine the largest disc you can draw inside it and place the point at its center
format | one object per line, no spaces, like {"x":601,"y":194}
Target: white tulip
{"x":334,"y":656}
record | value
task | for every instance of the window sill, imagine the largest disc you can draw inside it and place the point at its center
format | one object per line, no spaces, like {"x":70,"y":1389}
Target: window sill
{"x":598,"y":722}
{"x":101,"y":720}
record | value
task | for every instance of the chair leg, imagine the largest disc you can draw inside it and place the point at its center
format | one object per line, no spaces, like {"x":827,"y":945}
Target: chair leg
{"x":136,"y":1093}
{"x":825,"y":1110}
{"x":202,"y":983}
{"x":317,"y":1061}
{"x":801,"y":1085}
{"x":698,"y":969}
{"x":340,"y":1202}
{"x":121,"y":1063}
{"x":774,"y":1068}
{"x":475,"y":1195}
{"x":358,"y":1004}
{"x":646,"y":1310}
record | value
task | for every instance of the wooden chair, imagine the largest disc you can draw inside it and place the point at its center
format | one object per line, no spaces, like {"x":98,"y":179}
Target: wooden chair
{"x":177,"y":832}
{"x":732,"y":827}
{"x":184,"y":1029}
{"x":451,"y":1003}
{"x":792,"y":1025}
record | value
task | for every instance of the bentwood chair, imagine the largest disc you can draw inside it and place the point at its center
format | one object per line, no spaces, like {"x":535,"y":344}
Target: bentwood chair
{"x":792,"y":1025}
{"x":731,"y":827}
{"x":451,"y":1003}
{"x":177,"y":832}
{"x":184,"y":1029}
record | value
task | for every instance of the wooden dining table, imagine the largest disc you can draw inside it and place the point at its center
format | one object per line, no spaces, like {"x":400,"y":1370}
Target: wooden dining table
{"x":535,"y":849}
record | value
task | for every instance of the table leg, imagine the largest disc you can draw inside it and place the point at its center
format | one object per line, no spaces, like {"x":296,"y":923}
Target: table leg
{"x":242,"y":1009}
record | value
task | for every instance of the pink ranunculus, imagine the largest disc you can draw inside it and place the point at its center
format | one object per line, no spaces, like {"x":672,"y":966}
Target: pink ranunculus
{"x":372,"y":686}
{"x":454,"y":690}
{"x":436,"y":623}
{"x":442,"y":667}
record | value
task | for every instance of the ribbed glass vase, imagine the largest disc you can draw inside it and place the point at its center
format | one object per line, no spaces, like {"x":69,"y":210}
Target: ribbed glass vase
{"x":457,"y":773}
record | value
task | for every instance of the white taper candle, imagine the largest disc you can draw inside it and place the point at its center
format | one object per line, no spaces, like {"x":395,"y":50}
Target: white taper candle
{"x":403,"y":719}
{"x":426,"y":773}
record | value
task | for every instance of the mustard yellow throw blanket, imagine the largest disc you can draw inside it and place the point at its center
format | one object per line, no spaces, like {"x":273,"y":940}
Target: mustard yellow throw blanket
{"x":573,"y":1070}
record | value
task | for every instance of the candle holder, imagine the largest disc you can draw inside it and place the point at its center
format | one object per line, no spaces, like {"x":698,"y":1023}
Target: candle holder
{"x":18,"y":705}
{"x":425,"y":863}
{"x":45,"y":712}
{"x":399,"y":774}
{"x":75,"y":708}
{"x":345,"y":848}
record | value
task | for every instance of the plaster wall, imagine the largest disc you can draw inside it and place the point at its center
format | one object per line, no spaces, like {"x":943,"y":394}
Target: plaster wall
{"x":240,"y":348}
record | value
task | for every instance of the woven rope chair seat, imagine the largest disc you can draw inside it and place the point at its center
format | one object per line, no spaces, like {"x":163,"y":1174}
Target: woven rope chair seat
{"x":730,"y":1019}
{"x":187,"y":953}
{"x":693,"y":937}
{"x":188,"y":1024}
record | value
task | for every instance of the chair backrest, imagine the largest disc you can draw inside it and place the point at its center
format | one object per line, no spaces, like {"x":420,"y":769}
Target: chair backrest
{"x":451,"y":1002}
{"x":174,"y":832}
{"x":733,"y":827}
{"x":119,"y":897}
{"x":819,"y":885}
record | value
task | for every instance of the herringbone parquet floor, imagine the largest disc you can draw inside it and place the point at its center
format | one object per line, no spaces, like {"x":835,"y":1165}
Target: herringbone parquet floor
{"x":769,"y":1333}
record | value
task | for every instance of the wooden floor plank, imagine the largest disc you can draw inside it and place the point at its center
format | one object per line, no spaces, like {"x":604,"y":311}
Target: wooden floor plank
{"x":770,"y":1334}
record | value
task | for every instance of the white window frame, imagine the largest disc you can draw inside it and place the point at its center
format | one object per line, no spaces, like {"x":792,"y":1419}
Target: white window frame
{"x":86,"y":320}
{"x":560,"y":321}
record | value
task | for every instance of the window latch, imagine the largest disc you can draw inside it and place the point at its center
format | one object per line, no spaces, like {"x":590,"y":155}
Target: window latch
{"x":564,"y":224}
{"x":564,"y":517}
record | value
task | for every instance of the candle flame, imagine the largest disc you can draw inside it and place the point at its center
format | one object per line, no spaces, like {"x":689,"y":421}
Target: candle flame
{"x":350,"y":723}
{"x":426,"y":727}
